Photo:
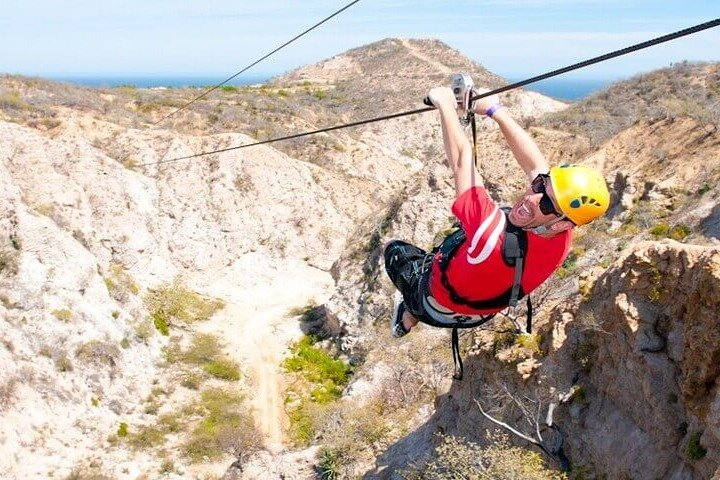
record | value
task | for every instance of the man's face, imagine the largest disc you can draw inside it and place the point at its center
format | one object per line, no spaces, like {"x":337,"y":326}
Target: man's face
{"x":528,"y":211}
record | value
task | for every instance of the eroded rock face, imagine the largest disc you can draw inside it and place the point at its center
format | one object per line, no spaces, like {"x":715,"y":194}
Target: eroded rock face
{"x":652,"y":373}
{"x":642,"y":348}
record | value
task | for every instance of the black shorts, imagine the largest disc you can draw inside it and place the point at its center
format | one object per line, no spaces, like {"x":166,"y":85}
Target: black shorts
{"x":409,"y":269}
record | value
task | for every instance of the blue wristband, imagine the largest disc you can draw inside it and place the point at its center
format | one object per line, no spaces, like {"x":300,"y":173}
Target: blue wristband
{"x":491,"y":111}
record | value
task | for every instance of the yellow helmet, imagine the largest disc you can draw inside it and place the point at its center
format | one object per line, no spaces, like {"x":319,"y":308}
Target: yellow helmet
{"x":580,"y":192}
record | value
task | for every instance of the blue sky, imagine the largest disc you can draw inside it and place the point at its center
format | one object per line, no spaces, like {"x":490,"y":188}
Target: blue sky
{"x":513,"y":38}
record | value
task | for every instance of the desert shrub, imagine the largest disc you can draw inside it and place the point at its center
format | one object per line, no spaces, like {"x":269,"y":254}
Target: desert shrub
{"x":98,"y":352}
{"x":86,"y":473}
{"x":383,"y":227}
{"x":45,"y":209}
{"x":676,"y":232}
{"x":662,"y":94}
{"x":331,"y":464}
{"x":146,"y":438}
{"x":63,"y":363}
{"x":225,"y":427}
{"x":12,"y":101}
{"x":458,"y":459}
{"x":191,"y":380}
{"x":175,"y":303}
{"x":318,"y":367}
{"x":161,"y":325}
{"x":504,"y":336}
{"x":320,"y":381}
{"x":122,"y":430}
{"x":351,"y":434}
{"x":205,"y":352}
{"x":694,"y":450}
{"x":7,"y":392}
{"x":704,"y":188}
{"x":583,"y":355}
{"x":62,"y":314}
{"x":144,"y":330}
{"x":204,"y":348}
{"x":119,"y":283}
{"x":223,"y":369}
{"x":530,"y":342}
{"x":9,"y":261}
{"x":569,"y":265}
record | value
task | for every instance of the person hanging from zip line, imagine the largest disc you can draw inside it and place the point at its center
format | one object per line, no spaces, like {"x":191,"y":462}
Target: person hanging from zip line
{"x":467,"y":280}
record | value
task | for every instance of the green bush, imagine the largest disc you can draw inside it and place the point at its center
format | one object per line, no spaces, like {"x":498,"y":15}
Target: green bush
{"x":316,"y":365}
{"x":321,"y":382}
{"x":122,"y":430}
{"x":223,"y":369}
{"x":676,"y":232}
{"x":331,"y":464}
{"x":161,"y":325}
{"x":305,"y":420}
{"x":694,"y":450}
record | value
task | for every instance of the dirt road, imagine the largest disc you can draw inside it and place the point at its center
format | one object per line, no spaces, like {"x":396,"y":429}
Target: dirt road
{"x":257,"y":328}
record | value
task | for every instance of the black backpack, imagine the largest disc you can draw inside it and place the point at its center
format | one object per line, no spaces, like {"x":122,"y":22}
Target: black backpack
{"x":514,"y":250}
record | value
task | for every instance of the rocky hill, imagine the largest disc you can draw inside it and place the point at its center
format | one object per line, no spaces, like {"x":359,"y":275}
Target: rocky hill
{"x":152,"y":310}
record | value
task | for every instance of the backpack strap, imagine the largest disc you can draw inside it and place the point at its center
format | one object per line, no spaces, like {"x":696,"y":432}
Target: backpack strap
{"x":514,"y":250}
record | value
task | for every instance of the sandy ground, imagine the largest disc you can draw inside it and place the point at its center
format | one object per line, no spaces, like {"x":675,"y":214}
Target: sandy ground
{"x":257,"y":327}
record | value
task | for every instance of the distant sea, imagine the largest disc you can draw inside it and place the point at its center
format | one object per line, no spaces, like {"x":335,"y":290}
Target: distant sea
{"x":562,"y":89}
{"x":157,"y":81}
{"x":567,"y":89}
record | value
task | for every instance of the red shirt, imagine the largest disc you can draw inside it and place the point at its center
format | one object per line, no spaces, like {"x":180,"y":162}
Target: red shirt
{"x":477,"y":271}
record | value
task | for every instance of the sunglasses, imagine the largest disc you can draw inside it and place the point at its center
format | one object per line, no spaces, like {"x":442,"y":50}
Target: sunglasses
{"x":546,"y":204}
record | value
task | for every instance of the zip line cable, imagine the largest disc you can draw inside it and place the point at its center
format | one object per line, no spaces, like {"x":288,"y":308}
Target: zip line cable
{"x":205,"y":93}
{"x":585,"y":63}
{"x":607,"y":56}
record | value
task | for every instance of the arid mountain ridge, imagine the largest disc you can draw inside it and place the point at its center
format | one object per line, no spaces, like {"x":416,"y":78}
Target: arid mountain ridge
{"x":94,"y":224}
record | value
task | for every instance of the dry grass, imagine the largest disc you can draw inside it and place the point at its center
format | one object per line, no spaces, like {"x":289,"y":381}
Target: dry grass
{"x":685,"y":89}
{"x":458,"y":459}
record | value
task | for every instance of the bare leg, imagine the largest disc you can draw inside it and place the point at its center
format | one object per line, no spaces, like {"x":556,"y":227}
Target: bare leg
{"x":409,"y":321}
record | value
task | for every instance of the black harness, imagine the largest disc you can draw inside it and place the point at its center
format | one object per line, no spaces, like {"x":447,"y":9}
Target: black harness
{"x":514,"y":250}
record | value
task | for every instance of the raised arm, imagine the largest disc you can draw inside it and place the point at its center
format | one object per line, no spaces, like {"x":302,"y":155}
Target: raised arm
{"x":457,"y":145}
{"x":523,"y":147}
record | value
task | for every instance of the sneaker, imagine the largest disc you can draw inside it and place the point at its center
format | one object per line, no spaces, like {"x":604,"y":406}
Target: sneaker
{"x":396,"y":324}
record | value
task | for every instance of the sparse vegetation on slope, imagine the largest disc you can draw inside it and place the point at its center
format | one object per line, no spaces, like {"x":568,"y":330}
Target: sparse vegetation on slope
{"x":685,"y":89}
{"x":320,"y":381}
{"x":458,"y":459}
{"x":174,"y":304}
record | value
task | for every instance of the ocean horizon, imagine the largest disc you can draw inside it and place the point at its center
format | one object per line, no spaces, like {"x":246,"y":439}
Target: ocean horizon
{"x":153,"y":81}
{"x":568,"y":89}
{"x":559,"y":88}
